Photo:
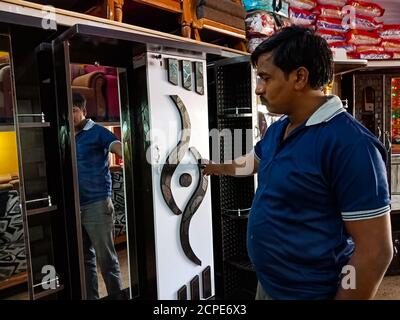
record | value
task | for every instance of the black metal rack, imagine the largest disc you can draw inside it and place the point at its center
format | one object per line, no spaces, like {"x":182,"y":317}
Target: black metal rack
{"x":230,"y":112}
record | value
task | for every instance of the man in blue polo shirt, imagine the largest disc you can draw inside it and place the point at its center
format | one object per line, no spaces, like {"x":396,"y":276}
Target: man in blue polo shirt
{"x":322,"y":203}
{"x":93,"y":144}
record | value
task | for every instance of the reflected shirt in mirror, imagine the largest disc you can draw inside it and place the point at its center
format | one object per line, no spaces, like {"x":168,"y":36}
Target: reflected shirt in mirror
{"x":92,"y":148}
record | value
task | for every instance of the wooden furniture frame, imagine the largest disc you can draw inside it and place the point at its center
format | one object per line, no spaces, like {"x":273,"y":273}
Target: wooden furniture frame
{"x":204,"y":23}
{"x":181,"y":7}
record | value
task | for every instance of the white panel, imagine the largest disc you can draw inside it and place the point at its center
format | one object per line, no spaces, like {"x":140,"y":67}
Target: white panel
{"x":174,"y":269}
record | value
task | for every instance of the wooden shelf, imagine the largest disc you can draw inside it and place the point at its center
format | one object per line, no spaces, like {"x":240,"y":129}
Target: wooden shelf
{"x":47,"y":293}
{"x":7,"y":128}
{"x":14,"y":280}
{"x":31,"y":212}
{"x":11,"y":128}
{"x":116,"y":168}
{"x":236,"y":115}
{"x":120,"y":239}
{"x":34,"y":124}
{"x":236,"y":214}
{"x":348,"y":65}
{"x":383,"y":64}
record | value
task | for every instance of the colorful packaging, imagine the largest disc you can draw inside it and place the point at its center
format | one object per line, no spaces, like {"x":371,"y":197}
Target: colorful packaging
{"x":371,"y":55}
{"x":391,"y":45}
{"x":367,"y":8}
{"x":396,"y":55}
{"x":332,"y":36}
{"x":284,"y":22}
{"x":390,"y":31}
{"x":368,"y":48}
{"x":302,"y":4}
{"x":328,"y":12}
{"x":267,"y":5}
{"x":343,"y":45}
{"x":253,"y":43}
{"x":361,"y":23}
{"x":329,"y":24}
{"x":301,"y":17}
{"x":260,"y":23}
{"x":360,"y":37}
{"x":338,"y":3}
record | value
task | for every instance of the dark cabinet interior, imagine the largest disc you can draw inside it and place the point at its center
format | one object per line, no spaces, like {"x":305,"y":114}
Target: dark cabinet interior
{"x":45,"y":273}
{"x":40,"y":153}
{"x":230,"y":112}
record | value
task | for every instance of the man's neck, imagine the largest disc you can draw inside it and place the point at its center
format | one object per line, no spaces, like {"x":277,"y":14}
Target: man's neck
{"x":81,"y":125}
{"x":305,"y":108}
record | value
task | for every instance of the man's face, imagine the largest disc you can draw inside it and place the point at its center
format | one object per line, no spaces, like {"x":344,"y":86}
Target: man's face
{"x":78,"y":114}
{"x":274,"y":89}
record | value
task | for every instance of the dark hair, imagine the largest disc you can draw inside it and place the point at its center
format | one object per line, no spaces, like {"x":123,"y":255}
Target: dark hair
{"x":78,"y":100}
{"x":294,"y":47}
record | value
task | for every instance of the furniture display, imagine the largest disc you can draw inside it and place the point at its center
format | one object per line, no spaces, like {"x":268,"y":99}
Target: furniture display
{"x":232,"y":110}
{"x":99,"y":85}
{"x":149,"y":13}
{"x":178,"y":200}
{"x":32,"y":224}
{"x":49,"y":199}
{"x":224,"y":17}
{"x":108,"y":9}
{"x":220,"y":21}
{"x":90,"y":85}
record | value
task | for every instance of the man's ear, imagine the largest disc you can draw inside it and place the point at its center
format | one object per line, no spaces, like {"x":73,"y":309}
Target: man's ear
{"x":84,"y":111}
{"x":301,"y":78}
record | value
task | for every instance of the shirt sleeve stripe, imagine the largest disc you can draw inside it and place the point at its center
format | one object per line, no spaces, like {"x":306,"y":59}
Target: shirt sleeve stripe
{"x":365,"y":218}
{"x":367,"y":214}
{"x":366,"y":211}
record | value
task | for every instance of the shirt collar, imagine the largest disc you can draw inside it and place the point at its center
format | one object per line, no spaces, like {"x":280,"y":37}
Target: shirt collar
{"x":89,"y":125}
{"x":327,"y":111}
{"x":324,"y":113}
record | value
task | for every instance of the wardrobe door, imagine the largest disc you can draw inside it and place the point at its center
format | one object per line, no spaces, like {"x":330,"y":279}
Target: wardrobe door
{"x":14,"y":253}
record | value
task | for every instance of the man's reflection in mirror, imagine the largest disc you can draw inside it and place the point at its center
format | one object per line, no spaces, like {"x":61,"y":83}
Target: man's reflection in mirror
{"x":93,"y":144}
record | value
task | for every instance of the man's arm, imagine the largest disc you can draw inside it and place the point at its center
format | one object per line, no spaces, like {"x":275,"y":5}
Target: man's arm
{"x":371,"y":258}
{"x":246,"y":165}
{"x":116,"y":147}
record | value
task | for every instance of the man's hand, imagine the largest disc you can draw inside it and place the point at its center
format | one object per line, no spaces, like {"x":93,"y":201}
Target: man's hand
{"x":215,"y":169}
{"x":241,"y":167}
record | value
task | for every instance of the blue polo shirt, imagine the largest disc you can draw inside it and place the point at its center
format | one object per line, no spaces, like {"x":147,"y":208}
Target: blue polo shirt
{"x":329,"y":170}
{"x":93,"y":144}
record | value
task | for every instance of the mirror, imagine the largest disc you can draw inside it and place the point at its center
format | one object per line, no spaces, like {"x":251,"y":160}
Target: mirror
{"x":13,"y":266}
{"x":98,"y":92}
{"x":395,"y":142}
